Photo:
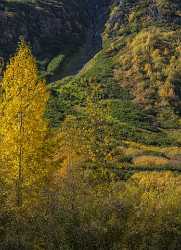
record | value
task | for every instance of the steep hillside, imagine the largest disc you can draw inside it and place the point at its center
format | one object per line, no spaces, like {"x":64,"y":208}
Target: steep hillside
{"x":129,"y":49}
{"x":147,"y":41}
{"x":138,"y":69}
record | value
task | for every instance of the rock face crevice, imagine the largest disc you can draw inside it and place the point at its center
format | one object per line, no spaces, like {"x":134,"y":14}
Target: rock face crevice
{"x":97,"y":14}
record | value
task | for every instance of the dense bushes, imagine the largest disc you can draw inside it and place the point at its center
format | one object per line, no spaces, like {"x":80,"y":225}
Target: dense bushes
{"x":149,"y":66}
{"x":77,"y":213}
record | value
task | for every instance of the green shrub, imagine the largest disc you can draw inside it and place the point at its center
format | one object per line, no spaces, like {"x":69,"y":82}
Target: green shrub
{"x":55,"y":64}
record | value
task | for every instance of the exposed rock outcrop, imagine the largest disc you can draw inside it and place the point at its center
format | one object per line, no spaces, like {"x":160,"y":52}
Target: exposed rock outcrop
{"x":49,"y":26}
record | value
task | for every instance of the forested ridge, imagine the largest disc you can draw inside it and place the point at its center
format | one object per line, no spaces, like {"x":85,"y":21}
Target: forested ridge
{"x":90,"y":125}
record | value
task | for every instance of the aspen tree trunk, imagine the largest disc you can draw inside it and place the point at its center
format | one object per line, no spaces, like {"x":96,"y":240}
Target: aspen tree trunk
{"x":20,"y":166}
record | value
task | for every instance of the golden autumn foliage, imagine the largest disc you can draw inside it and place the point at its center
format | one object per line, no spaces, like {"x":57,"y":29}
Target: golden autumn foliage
{"x":22,"y":125}
{"x":150,"y":160}
{"x":150,"y":67}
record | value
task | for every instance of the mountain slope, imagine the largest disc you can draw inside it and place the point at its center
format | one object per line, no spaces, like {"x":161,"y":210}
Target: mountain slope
{"x":138,"y":69}
{"x":130,"y":49}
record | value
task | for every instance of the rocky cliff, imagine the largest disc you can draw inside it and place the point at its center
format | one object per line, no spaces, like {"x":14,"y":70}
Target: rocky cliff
{"x":54,"y":27}
{"x":49,"y":26}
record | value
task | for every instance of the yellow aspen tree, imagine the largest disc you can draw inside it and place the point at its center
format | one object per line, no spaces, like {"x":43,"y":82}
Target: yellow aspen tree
{"x":23,"y":128}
